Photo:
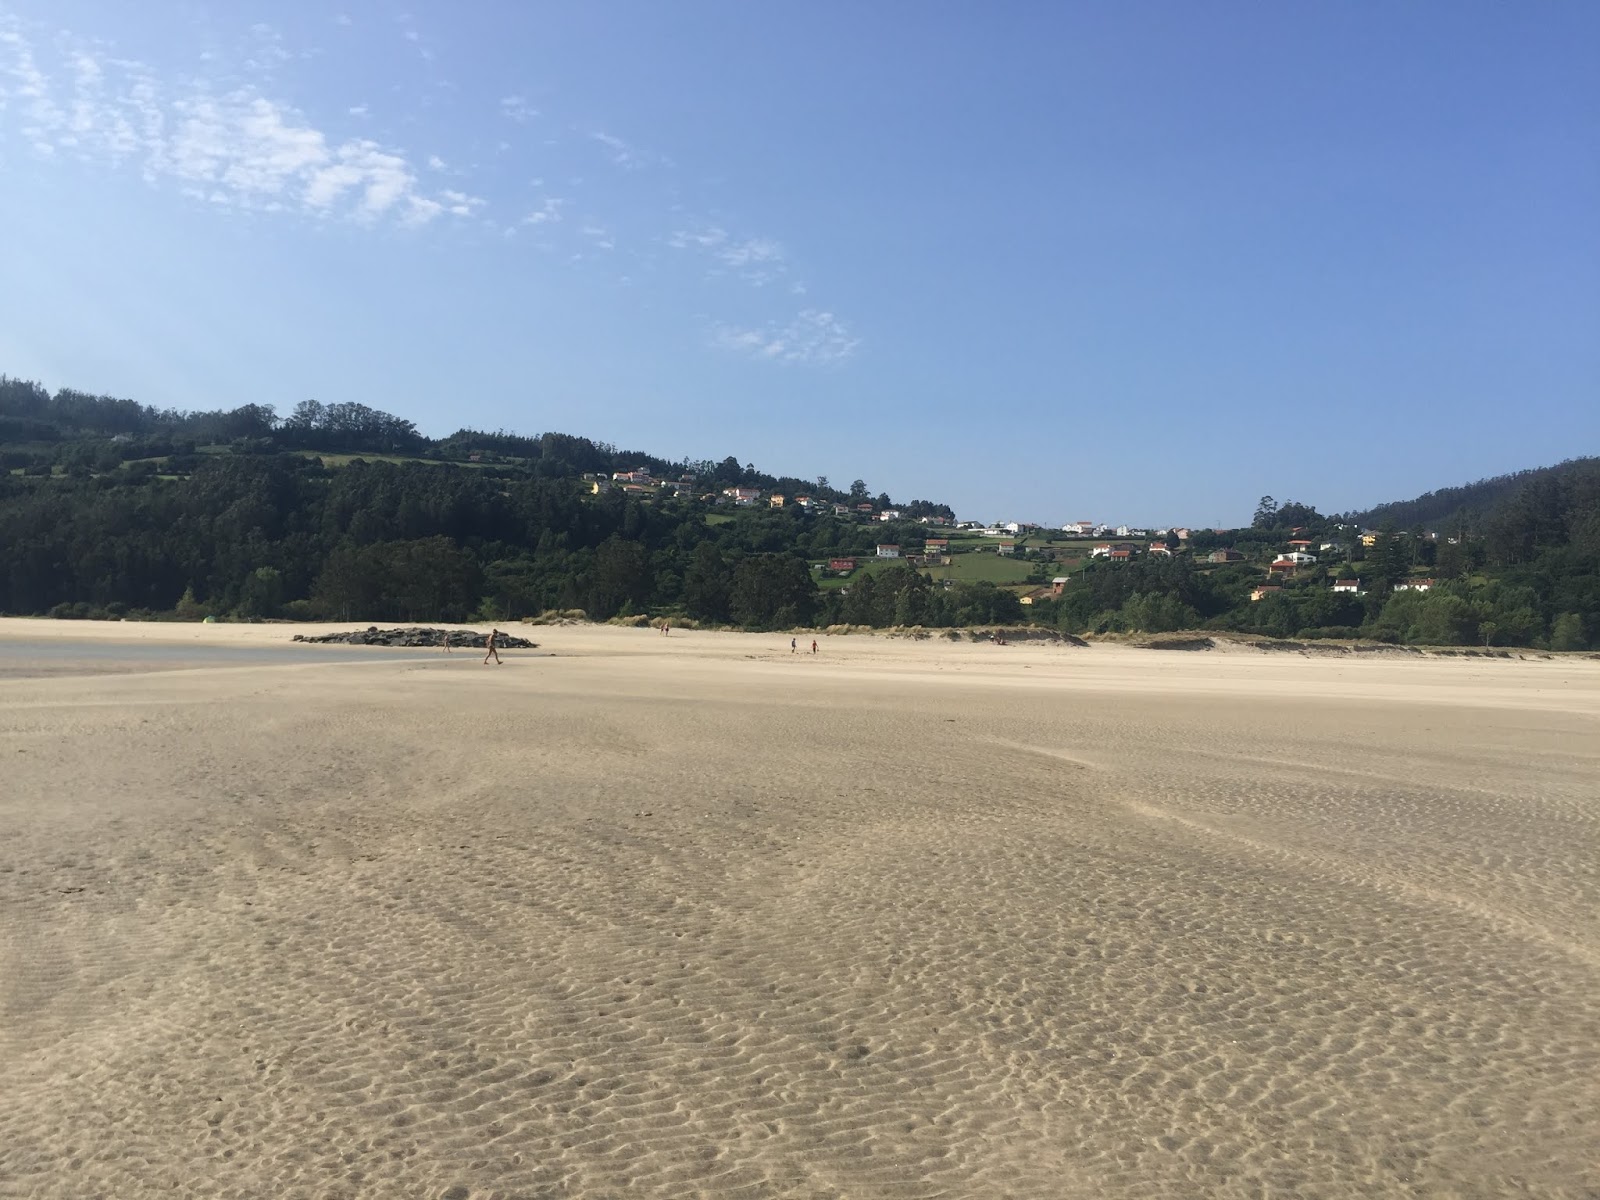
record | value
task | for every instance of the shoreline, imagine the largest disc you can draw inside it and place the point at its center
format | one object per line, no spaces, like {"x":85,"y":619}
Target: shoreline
{"x":695,"y":658}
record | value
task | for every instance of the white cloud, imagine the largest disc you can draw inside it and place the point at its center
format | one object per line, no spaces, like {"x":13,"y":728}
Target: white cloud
{"x":517,"y":108}
{"x":599,"y":235}
{"x":358,"y":110}
{"x":758,"y":260}
{"x":267,"y":51}
{"x":621,"y":153}
{"x":813,"y":338}
{"x":547,"y":213}
{"x":435,"y":163}
{"x":235,"y":148}
{"x":752,"y":252}
{"x":626,"y":155}
{"x":460,"y":204}
{"x":704,"y":239}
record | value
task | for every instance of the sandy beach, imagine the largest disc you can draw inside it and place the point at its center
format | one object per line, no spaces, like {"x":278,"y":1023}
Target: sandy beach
{"x":633,"y":916}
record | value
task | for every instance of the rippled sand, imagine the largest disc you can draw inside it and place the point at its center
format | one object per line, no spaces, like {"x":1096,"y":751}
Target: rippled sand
{"x":632,"y":916}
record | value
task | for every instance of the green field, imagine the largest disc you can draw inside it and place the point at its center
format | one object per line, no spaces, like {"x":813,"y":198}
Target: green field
{"x":864,"y":567}
{"x":980,"y":566}
{"x":973,"y":567}
{"x":344,"y":460}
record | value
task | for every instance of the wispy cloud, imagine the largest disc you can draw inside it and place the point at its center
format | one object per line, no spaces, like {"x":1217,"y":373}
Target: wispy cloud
{"x":236,"y":147}
{"x":811,"y":337}
{"x":546,"y":214}
{"x":517,"y":108}
{"x":757,"y":260}
{"x":626,"y":155}
{"x":703,"y":239}
{"x":619,"y":151}
{"x":228,"y":136}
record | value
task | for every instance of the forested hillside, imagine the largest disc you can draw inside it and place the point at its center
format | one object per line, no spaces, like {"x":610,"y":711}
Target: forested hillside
{"x":1470,"y":505}
{"x":110,"y":508}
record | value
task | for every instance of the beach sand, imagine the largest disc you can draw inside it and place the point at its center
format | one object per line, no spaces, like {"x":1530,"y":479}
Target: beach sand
{"x":693,"y":916}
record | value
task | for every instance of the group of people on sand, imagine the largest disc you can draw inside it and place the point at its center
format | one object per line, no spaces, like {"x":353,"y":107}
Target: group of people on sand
{"x":492,"y":644}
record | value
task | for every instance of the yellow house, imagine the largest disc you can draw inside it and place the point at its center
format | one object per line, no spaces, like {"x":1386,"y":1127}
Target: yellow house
{"x":776,"y":501}
{"x":1369,"y":539}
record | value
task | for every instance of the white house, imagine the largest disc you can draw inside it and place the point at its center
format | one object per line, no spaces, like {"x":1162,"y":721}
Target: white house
{"x":742,"y":495}
{"x":1078,"y":528}
{"x":889,"y":514}
{"x":1298,"y":557}
{"x":1103,"y":550}
{"x":1006,"y":548}
{"x":1352,"y":586}
{"x":1413,"y":585}
{"x":888,"y":551}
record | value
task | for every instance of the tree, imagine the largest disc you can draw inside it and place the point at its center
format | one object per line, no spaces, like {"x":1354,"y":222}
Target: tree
{"x":1388,"y":560}
{"x":1567,"y":633}
{"x":772,"y":590}
{"x":619,"y":577}
{"x":1266,"y":514}
{"x":1449,"y":563}
{"x":706,"y":584}
{"x":262,"y":594}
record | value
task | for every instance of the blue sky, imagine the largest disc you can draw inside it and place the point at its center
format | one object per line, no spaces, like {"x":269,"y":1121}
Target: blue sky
{"x":1125,"y":262}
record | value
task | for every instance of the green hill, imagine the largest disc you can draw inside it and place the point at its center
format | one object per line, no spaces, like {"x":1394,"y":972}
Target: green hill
{"x":1470,"y":505}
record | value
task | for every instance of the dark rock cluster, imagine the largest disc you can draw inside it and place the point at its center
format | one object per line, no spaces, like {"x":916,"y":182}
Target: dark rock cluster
{"x":416,"y":637}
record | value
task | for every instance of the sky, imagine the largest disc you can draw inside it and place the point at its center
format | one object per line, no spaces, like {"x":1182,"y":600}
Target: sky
{"x":1133,"y":263}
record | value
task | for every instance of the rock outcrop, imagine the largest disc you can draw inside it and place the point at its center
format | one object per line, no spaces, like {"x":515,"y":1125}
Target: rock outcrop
{"x":417,"y":637}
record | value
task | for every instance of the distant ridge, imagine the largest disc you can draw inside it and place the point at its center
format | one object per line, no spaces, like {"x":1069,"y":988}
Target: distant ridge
{"x":1468,"y":505}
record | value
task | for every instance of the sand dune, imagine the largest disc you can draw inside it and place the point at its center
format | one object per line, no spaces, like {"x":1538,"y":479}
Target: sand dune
{"x":633,"y":916}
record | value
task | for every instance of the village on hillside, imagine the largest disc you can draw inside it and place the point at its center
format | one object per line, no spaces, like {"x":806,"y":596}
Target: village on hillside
{"x":1036,"y":561}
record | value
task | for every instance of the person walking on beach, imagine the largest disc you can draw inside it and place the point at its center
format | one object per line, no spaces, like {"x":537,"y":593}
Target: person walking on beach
{"x":493,"y":644}
{"x":813,"y":645}
{"x":447,"y":641}
{"x":793,"y":647}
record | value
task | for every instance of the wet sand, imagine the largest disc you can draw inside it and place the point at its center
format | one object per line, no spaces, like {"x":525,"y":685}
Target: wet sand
{"x":634,"y":916}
